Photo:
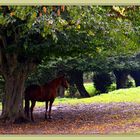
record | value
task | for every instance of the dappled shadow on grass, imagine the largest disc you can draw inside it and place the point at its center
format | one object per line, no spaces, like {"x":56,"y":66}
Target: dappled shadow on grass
{"x":95,"y":118}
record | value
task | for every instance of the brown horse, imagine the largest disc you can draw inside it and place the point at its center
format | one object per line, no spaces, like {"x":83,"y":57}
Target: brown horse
{"x":46,"y":93}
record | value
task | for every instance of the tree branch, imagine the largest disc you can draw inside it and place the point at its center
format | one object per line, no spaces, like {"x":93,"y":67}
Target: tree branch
{"x":7,"y":61}
{"x":29,"y":66}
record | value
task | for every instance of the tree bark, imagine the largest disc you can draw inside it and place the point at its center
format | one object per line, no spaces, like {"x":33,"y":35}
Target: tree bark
{"x":14,"y":74}
{"x":77,"y":77}
{"x":121,"y":78}
{"x":136,"y":76}
{"x":14,"y":70}
{"x":61,"y":91}
{"x":72,"y":90}
{"x":13,"y":99}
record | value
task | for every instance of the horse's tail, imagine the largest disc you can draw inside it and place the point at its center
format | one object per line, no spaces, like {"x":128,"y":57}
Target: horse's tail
{"x":27,"y":104}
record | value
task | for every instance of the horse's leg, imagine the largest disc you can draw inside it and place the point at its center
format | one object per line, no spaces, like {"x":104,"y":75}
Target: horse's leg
{"x":27,"y":106}
{"x":46,"y":109}
{"x":32,"y":107}
{"x":50,"y":107}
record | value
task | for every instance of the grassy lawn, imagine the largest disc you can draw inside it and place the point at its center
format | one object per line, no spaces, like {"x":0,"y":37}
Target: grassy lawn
{"x":90,"y":88}
{"x":122,"y":95}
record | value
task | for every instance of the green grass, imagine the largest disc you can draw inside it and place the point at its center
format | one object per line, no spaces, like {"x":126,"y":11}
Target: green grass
{"x":90,"y":88}
{"x":122,"y":95}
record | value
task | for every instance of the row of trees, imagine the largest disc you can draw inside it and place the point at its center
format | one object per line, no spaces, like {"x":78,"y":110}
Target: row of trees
{"x":30,"y":35}
{"x":105,"y":72}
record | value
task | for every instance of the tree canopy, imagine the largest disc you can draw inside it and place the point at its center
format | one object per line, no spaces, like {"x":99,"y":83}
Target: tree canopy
{"x":30,"y":35}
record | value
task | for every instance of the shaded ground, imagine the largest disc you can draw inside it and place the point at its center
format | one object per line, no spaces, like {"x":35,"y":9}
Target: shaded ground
{"x":112,"y":118}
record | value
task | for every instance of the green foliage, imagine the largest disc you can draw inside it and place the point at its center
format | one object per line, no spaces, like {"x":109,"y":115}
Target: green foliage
{"x":42,"y":75}
{"x":112,"y":87}
{"x":82,"y":34}
{"x":123,"y":62}
{"x":86,"y":38}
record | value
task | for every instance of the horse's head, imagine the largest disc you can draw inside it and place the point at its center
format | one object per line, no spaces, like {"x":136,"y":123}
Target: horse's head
{"x":64,"y":82}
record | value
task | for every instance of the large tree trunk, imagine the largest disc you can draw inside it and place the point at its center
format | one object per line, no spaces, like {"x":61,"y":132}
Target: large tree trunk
{"x":77,"y":77}
{"x":14,"y":67}
{"x":61,"y":91}
{"x":121,"y":78}
{"x":72,"y":87}
{"x":13,"y":99}
{"x":12,"y":104}
{"x":14,"y":74}
{"x":136,"y":76}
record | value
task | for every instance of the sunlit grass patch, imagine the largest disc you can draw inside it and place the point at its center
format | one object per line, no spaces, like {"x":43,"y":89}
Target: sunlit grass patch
{"x":90,"y":88}
{"x":121,"y":95}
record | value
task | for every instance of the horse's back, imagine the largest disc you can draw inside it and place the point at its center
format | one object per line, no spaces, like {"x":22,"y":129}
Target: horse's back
{"x":45,"y":92}
{"x":32,"y":91}
{"x":50,"y":91}
{"x":32,"y":88}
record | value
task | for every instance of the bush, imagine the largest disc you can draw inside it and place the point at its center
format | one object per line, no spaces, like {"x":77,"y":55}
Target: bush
{"x":102,"y":82}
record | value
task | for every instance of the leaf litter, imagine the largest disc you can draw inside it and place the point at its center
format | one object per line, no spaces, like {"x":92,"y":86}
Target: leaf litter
{"x":82,"y":119}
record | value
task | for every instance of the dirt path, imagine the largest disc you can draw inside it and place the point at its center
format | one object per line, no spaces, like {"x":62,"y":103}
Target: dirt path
{"x":112,"y":118}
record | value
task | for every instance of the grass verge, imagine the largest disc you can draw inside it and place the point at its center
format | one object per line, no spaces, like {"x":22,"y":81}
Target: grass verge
{"x":121,"y":95}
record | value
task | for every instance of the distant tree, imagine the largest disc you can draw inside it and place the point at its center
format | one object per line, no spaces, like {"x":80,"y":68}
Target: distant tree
{"x":102,"y":81}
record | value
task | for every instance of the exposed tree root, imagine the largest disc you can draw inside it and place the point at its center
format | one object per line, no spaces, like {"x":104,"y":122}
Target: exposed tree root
{"x":19,"y":120}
